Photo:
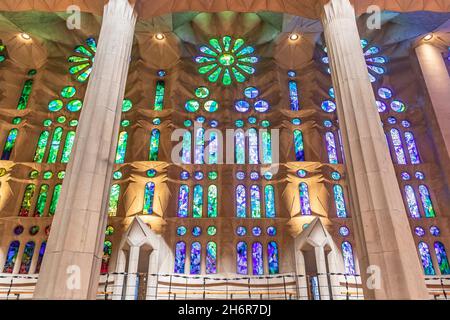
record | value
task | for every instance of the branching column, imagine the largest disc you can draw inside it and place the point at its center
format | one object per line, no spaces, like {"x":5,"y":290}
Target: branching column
{"x":381,"y":228}
{"x":72,"y":260}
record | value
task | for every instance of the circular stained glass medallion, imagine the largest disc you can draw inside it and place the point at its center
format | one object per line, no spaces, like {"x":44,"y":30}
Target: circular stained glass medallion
{"x":242,"y":106}
{"x":75,"y":105}
{"x":262,"y":106}
{"x":192,"y":105}
{"x":68,"y":92}
{"x":251,"y":92}
{"x":202,"y":92}
{"x":328,"y":106}
{"x":55,"y":105}
{"x":241,"y":231}
{"x":211,"y":106}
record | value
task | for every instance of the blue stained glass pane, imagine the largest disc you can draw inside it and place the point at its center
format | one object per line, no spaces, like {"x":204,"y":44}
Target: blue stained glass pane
{"x":149,"y":195}
{"x":441,"y":256}
{"x":425,"y":257}
{"x":183,"y":201}
{"x":419,"y":231}
{"x":269,"y":193}
{"x":11,"y":257}
{"x":241,"y":202}
{"x":240,"y":147}
{"x":328,"y":106}
{"x":412,"y":202}
{"x":398,"y":146}
{"x":154,"y":145}
{"x":412,"y":148}
{"x":196,"y":250}
{"x":186,"y":151}
{"x":242,"y":106}
{"x":197,"y":207}
{"x":299,"y":146}
{"x":305,"y":205}
{"x":293,"y":96}
{"x":200,"y":146}
{"x":241,"y":258}
{"x":211,"y":258}
{"x":122,"y":147}
{"x":272,"y":255}
{"x":267,"y":147}
{"x":257,"y":259}
{"x":255,"y":201}
{"x":9,"y":144}
{"x":426,"y":202}
{"x":213,"y":148}
{"x":40,"y":256}
{"x":180,"y":257}
{"x":331,"y":148}
{"x":435,"y":231}
{"x":253,"y":146}
{"x":347,"y":253}
{"x":27,"y":257}
{"x":339,"y":201}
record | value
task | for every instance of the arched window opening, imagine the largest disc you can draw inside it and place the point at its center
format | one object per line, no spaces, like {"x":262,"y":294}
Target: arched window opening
{"x":55,"y":199}
{"x":154,"y":145}
{"x":272,"y":254}
{"x":293,"y":96}
{"x":55,"y":145}
{"x":241,"y":202}
{"x":199,"y":146}
{"x":41,"y":147}
{"x":107,"y":252}
{"x":269,"y":193}
{"x":212,"y":201}
{"x":186,"y":151}
{"x":398,"y":146}
{"x":426,"y":202}
{"x":239,"y":139}
{"x":213,"y":156}
{"x":442,"y":259}
{"x":197,"y":207}
{"x":267,"y":147}
{"x":27,"y":257}
{"x":196,"y":260}
{"x":183,"y":201}
{"x":412,"y":148}
{"x":25,"y":95}
{"x":68,"y":146}
{"x":211,"y":258}
{"x":41,"y":256}
{"x":114,"y":200}
{"x":257,"y":259}
{"x":339,"y":201}
{"x":425,"y":257}
{"x":411,"y":201}
{"x":122,"y":147}
{"x":149,"y":195}
{"x":159,"y":95}
{"x":42,"y":201}
{"x":255,"y":201}
{"x":253,"y":153}
{"x":299,"y":146}
{"x":242,"y":260}
{"x":331,"y":148}
{"x":9,"y":144}
{"x":11,"y":257}
{"x":305,"y":205}
{"x":349,"y":262}
{"x":180,"y":257}
{"x":26,"y":202}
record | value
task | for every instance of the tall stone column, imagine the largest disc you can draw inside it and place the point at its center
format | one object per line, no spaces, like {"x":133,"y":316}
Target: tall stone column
{"x":71,"y":266}
{"x":381,"y":226}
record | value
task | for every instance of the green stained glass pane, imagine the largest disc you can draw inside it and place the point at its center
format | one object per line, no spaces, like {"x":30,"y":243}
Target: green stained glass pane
{"x":75,"y":105}
{"x":114,"y":200}
{"x":226,"y":59}
{"x":211,"y":106}
{"x":187,"y":123}
{"x":76,"y":59}
{"x":192,"y":105}
{"x":159,"y":95}
{"x":248,"y":60}
{"x":238,"y":75}
{"x":151,"y":173}
{"x":92,"y":44}
{"x":54,"y":146}
{"x":42,"y":201}
{"x":34,"y":174}
{"x":226,"y":77}
{"x":55,"y":199}
{"x":68,"y":92}
{"x":82,"y":50}
{"x":73,"y":123}
{"x":202,"y":59}
{"x":47,"y":123}
{"x":154,"y":145}
{"x":61,"y":175}
{"x":61,"y":119}
{"x":245,"y":51}
{"x":25,"y":96}
{"x":41,"y":147}
{"x":226,"y":43}
{"x":198,"y":202}
{"x":9,"y":145}
{"x":237,"y":45}
{"x":26,"y":202}
{"x":202,"y":92}
{"x":212,"y":230}
{"x":17,"y":120}
{"x":267,"y":147}
{"x":212,"y":201}
{"x":127,"y":105}
{"x":55,"y":105}
{"x":149,"y":195}
{"x":2,"y":58}
{"x":213,"y":77}
{"x":207,"y":50}
{"x":117,"y":175}
{"x":212,"y":175}
{"x":216,"y":44}
{"x":48,"y":175}
{"x":122,"y":147}
{"x":68,"y":146}
{"x":125,"y":123}
{"x":207,"y":68}
{"x":84,"y":76}
{"x":78,"y":68}
{"x":32,"y":72}
{"x":247,"y":69}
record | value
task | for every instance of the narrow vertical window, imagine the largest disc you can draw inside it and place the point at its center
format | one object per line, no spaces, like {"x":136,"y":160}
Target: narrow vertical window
{"x":27,"y":257}
{"x":212,"y":201}
{"x":154,"y":145}
{"x":149,"y":195}
{"x":183,"y":201}
{"x":197,"y":207}
{"x":41,"y":201}
{"x":241,"y":258}
{"x":272,"y":256}
{"x":426,"y":202}
{"x":159,"y":95}
{"x":55,"y":199}
{"x":122,"y":147}
{"x":25,"y":95}
{"x":398,"y":146}
{"x":349,"y":262}
{"x":68,"y":146}
{"x":114,"y":200}
{"x":441,"y":256}
{"x":55,"y":144}
{"x":253,"y":155}
{"x":187,"y":145}
{"x":241,"y":202}
{"x":41,"y":147}
{"x":269,"y":199}
{"x":9,"y":144}
{"x":196,"y":260}
{"x":199,"y":146}
{"x":339,"y":201}
{"x":411,"y":200}
{"x":41,"y":256}
{"x":341,"y":145}
{"x":331,"y":148}
{"x":180,"y":257}
{"x":425,"y":257}
{"x":293,"y":96}
{"x":211,"y":258}
{"x":267,"y":147}
{"x":257,"y":259}
{"x":240,"y":147}
{"x":26,"y":202}
{"x":299,"y":146}
{"x":412,"y":148}
{"x":305,"y":205}
{"x":213,"y":148}
{"x":107,"y":252}
{"x":255,"y":201}
{"x":11,"y":257}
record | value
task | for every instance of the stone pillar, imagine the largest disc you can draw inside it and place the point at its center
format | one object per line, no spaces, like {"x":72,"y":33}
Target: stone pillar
{"x":133,"y":261}
{"x":381,"y":226}
{"x":321,"y":265}
{"x":71,"y":267}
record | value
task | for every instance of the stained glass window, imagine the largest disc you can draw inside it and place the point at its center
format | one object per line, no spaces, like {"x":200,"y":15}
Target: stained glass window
{"x":122,"y":147}
{"x":154,"y":145}
{"x":55,"y":199}
{"x":186,"y":152}
{"x":412,"y":148}
{"x":25,"y":95}
{"x":426,"y":202}
{"x":411,"y":200}
{"x":267,"y":147}
{"x":272,"y":255}
{"x":255,"y":201}
{"x":42,"y":201}
{"x":257,"y":259}
{"x":240,"y":147}
{"x":68,"y":146}
{"x":83,"y":60}
{"x":241,"y":201}
{"x":293,"y":96}
{"x":41,"y":147}
{"x":27,"y":257}
{"x":441,"y":256}
{"x":9,"y":144}
{"x":347,"y":253}
{"x":114,"y":200}
{"x":213,"y":148}
{"x":107,"y":251}
{"x":339,"y":201}
{"x":40,"y":256}
{"x":183,"y":201}
{"x":331,"y":148}
{"x":211,"y":258}
{"x":212,"y":201}
{"x":253,"y":154}
{"x":269,"y":199}
{"x":26,"y":202}
{"x":298,"y":145}
{"x":198,"y":201}
{"x":305,"y":205}
{"x":180,"y":257}
{"x":11,"y":257}
{"x":149,"y":195}
{"x":425,"y":257}
{"x":398,"y":147}
{"x":196,"y":253}
{"x":55,"y":144}
{"x":199,"y":146}
{"x":241,"y":258}
{"x":159,"y":95}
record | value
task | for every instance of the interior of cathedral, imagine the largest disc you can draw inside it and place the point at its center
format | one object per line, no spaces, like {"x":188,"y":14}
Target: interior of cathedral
{"x":236,"y":152}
